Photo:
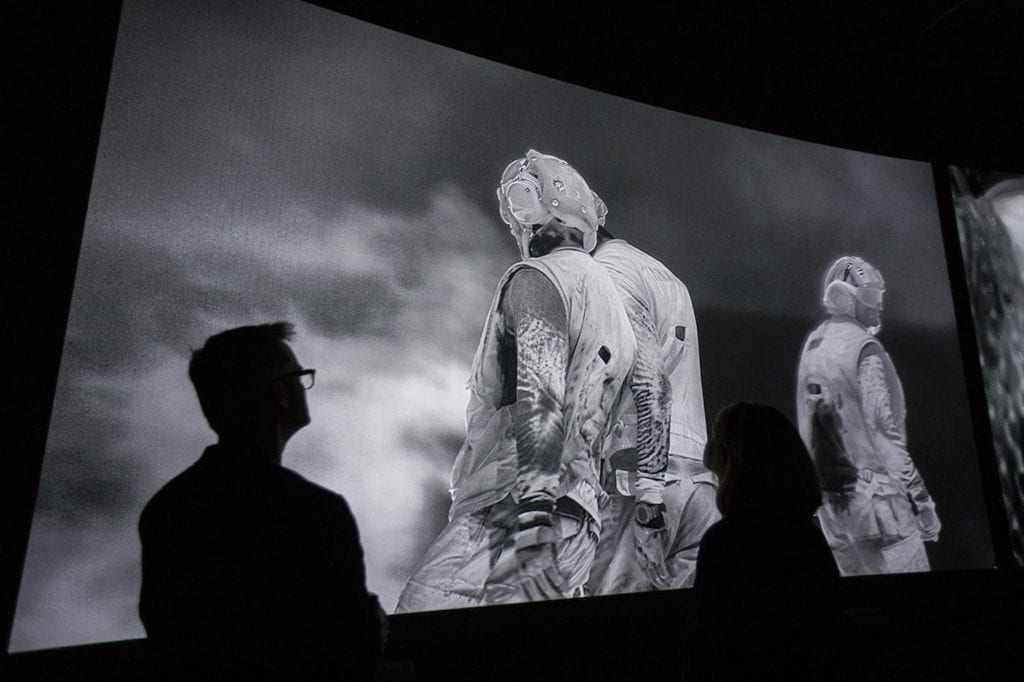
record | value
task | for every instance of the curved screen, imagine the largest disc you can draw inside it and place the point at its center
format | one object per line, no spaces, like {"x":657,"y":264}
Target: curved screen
{"x":275,"y":161}
{"x":990,"y":222}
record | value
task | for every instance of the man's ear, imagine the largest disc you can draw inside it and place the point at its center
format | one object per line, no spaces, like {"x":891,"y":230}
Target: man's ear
{"x":281,"y":394}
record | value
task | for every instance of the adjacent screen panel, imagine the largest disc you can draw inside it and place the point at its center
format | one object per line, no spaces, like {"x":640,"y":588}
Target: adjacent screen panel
{"x":990,"y":221}
{"x":272,"y":160}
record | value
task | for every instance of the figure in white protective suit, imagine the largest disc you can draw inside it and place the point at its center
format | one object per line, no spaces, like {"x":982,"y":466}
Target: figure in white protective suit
{"x":554,"y":356}
{"x":662,"y":497}
{"x":876,"y":512}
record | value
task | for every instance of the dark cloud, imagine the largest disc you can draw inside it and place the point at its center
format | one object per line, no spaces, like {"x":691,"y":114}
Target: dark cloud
{"x":134,"y":301}
{"x":85,"y":473}
{"x":84,"y":483}
{"x":329,"y":118}
{"x":227,"y":107}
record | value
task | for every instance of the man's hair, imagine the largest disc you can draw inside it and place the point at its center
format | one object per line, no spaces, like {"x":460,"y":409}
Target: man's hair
{"x":233,"y":367}
{"x":762,"y":464}
{"x":547,"y":238}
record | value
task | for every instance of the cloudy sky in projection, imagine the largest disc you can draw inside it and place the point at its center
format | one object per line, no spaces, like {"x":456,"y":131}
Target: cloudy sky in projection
{"x":271,"y":160}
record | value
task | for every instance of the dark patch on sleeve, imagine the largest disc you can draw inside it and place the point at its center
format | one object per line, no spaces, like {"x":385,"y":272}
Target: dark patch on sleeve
{"x":835,"y":469}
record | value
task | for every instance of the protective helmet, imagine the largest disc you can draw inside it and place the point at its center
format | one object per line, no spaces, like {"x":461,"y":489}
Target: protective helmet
{"x":854,"y":288}
{"x":540,"y":187}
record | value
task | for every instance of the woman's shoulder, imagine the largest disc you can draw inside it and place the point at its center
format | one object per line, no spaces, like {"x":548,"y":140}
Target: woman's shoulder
{"x":725,"y":536}
{"x":716,"y":532}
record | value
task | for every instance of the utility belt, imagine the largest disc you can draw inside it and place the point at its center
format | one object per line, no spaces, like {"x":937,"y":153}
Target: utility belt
{"x":619,"y":472}
{"x":872,"y":476}
{"x":873,"y":484}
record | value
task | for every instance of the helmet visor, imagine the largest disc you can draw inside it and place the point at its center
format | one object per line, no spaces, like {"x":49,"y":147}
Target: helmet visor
{"x":870,"y":296}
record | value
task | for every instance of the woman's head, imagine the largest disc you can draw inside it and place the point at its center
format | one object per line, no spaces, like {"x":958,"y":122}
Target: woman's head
{"x":762,"y":465}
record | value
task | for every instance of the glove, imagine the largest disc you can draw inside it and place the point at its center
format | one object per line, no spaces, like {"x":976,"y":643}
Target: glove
{"x":650,"y":538}
{"x":528,"y":558}
{"x":928,"y":521}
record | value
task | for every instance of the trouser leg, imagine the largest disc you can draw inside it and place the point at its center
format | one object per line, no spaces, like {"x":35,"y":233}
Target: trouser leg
{"x":615,"y":567}
{"x":874,"y":534}
{"x":455,"y":569}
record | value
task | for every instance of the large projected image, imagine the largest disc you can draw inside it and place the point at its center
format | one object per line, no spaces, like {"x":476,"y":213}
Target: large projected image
{"x":275,"y":161}
{"x":990,"y":220}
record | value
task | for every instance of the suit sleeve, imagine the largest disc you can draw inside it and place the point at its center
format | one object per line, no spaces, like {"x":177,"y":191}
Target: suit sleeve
{"x":652,"y":395}
{"x":535,"y":311}
{"x":877,"y":408}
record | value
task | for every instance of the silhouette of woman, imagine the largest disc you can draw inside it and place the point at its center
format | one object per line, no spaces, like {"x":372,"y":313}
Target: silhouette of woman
{"x":766,"y":589}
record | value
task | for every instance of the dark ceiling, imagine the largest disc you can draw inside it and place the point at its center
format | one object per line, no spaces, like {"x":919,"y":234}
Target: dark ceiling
{"x":929,"y":80}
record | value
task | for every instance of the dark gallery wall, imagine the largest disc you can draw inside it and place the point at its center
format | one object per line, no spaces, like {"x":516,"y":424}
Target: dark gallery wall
{"x":931,"y":81}
{"x":59,"y":62}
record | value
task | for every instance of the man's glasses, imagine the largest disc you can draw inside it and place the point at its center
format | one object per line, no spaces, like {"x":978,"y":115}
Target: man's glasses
{"x":306,"y":376}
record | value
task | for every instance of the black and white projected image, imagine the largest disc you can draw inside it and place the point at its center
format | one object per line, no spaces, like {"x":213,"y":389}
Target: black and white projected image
{"x":270,"y":160}
{"x":990,"y":220}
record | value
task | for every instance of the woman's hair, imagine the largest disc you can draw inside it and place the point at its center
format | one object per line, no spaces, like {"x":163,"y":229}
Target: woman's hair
{"x":762,"y":465}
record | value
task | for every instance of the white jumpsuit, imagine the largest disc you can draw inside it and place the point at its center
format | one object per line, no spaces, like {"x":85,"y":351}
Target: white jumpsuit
{"x":455,"y":568}
{"x":851,"y":415}
{"x":690,"y":488}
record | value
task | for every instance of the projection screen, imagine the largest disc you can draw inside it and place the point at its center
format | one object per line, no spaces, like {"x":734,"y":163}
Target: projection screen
{"x":275,"y":161}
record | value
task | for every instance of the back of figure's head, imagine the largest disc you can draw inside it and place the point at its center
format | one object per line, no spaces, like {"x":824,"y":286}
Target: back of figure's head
{"x":541,"y":190}
{"x":234,"y":371}
{"x":762,"y":464}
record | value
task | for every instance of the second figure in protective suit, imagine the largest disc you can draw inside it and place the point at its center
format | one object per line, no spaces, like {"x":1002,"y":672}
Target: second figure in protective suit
{"x":661,"y":496}
{"x":876,"y":511}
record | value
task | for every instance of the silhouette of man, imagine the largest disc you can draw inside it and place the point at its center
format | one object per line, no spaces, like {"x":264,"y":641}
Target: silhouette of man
{"x":248,"y":569}
{"x":553,"y":358}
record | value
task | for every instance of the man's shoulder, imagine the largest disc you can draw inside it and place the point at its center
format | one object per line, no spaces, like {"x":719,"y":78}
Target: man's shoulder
{"x":563,"y":269}
{"x":851,"y":335}
{"x":204,"y":485}
{"x":314,"y":490}
{"x":816,"y":332}
{"x":622,"y":256}
{"x":312,"y":494}
{"x":173,"y":493}
{"x":839,"y":339}
{"x":184,"y":502}
{"x":528,"y":273}
{"x":574,"y":261}
{"x":618,"y":248}
{"x":616,"y":252}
